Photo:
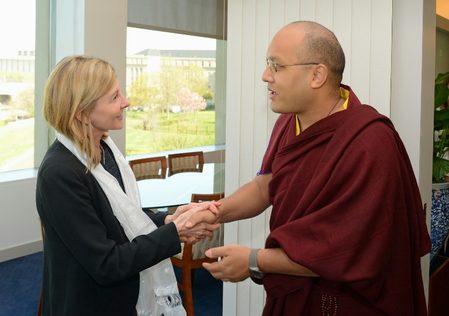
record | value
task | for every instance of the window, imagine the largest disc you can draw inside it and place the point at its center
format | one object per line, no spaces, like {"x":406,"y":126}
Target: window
{"x":172,"y":88}
{"x":17,"y":51}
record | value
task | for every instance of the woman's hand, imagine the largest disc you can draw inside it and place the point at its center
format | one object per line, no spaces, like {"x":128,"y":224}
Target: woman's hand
{"x":204,"y":223}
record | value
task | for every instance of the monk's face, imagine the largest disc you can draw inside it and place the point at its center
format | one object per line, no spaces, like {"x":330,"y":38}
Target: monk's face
{"x":288,"y":86}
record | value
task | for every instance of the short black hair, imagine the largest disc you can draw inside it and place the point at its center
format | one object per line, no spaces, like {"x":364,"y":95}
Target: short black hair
{"x":321,"y":45}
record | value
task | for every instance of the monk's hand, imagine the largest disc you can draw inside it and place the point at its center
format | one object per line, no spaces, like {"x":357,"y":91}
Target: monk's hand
{"x":204,"y":227}
{"x":232,"y":264}
{"x":212,"y":206}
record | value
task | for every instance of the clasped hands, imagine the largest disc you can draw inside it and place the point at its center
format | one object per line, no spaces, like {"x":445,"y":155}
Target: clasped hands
{"x":195,"y":221}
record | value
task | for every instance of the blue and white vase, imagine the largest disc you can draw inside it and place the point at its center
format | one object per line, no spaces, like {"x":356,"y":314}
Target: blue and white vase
{"x":439,"y":219}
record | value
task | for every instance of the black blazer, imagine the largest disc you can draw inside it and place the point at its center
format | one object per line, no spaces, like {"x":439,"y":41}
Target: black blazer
{"x":90,"y":267}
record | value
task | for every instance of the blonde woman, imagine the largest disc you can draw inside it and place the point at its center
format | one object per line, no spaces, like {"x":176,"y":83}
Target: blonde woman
{"x":102,"y":254}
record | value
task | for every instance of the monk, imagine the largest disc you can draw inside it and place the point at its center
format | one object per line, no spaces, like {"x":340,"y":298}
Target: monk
{"x":347,"y":229}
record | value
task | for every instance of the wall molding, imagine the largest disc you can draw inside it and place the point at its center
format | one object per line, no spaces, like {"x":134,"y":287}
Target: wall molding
{"x":21,"y":250}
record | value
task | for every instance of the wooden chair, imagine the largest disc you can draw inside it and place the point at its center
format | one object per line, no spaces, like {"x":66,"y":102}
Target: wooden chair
{"x":185,"y":162}
{"x":149,"y":168}
{"x":191,"y":256}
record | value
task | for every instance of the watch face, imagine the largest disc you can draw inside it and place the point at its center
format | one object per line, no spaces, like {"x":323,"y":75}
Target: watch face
{"x":256,"y":273}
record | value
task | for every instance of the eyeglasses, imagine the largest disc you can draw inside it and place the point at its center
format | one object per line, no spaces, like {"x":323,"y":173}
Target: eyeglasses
{"x":274,"y":66}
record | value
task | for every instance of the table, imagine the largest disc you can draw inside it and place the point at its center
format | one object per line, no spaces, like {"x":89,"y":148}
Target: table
{"x":177,"y":189}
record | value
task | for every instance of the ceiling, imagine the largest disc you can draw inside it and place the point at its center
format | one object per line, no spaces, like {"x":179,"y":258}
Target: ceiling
{"x":443,"y":8}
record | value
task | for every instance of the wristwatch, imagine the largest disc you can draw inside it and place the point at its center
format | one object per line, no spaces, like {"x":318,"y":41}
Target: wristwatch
{"x":254,"y":271}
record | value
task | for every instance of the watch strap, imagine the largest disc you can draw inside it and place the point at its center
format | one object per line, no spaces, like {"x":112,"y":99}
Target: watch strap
{"x":253,"y":258}
{"x":253,"y":268}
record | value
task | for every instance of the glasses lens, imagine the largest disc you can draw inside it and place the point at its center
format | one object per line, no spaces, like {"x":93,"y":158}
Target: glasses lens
{"x":271,"y":64}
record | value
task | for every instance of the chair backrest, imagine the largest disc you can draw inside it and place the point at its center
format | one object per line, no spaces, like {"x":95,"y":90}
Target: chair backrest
{"x":185,"y":162}
{"x":149,"y":168}
{"x":199,"y":197}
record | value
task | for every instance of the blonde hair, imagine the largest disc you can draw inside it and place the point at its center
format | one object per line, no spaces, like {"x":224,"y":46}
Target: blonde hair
{"x":71,"y":93}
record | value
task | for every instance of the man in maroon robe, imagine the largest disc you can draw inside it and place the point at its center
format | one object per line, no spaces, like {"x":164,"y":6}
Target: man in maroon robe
{"x":347,"y":229}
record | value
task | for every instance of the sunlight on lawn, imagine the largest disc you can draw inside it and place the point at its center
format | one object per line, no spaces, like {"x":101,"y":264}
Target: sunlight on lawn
{"x":167,"y":132}
{"x":16,"y":145}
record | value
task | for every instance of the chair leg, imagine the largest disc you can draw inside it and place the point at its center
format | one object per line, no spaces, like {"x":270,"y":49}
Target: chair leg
{"x":39,"y":308}
{"x":187,"y":287}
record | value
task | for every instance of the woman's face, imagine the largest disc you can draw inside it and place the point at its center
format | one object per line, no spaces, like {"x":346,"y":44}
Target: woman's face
{"x":108,"y":112}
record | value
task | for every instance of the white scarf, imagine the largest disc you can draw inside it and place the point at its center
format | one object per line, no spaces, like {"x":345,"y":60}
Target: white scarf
{"x":158,"y":294}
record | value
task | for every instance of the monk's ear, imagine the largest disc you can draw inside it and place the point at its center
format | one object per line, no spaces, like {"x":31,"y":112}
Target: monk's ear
{"x":320,"y":74}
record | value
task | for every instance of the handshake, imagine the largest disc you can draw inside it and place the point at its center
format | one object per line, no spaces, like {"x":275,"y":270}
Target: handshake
{"x":195,"y":221}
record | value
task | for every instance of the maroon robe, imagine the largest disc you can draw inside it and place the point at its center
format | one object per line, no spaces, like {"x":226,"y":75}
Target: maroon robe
{"x":346,"y":205}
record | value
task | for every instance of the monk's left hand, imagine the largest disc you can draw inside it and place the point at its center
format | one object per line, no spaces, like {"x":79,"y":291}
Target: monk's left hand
{"x":232,"y":264}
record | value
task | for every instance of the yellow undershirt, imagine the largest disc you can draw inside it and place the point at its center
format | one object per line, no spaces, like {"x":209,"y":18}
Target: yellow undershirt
{"x":344,"y":94}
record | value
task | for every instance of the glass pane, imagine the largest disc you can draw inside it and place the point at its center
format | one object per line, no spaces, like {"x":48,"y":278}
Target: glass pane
{"x":170,"y":83}
{"x":17,"y":34}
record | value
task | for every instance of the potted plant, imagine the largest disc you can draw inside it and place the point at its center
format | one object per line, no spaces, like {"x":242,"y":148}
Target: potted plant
{"x":441,"y":129}
{"x":440,"y":168}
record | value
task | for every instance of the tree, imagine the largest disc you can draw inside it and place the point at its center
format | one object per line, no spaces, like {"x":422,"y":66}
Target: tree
{"x":141,"y":93}
{"x":24,"y":103}
{"x":190,"y":101}
{"x":195,"y":79}
{"x":170,"y":83}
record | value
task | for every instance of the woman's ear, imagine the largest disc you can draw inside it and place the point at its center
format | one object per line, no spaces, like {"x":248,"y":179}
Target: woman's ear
{"x":320,"y":75}
{"x":82,"y":118}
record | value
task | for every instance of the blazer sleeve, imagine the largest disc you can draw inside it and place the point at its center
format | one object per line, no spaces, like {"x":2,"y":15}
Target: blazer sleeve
{"x":157,"y":217}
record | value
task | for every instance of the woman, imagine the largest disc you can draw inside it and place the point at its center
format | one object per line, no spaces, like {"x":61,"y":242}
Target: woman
{"x":99,"y":245}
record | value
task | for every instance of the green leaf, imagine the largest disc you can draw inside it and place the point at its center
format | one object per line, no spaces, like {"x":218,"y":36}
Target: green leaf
{"x":440,"y":169}
{"x":442,"y":78}
{"x":441,"y":94}
{"x":440,"y":166}
{"x":441,"y":119}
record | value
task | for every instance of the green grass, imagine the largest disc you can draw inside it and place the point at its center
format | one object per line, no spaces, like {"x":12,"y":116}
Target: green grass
{"x":167,"y":132}
{"x":15,"y":141}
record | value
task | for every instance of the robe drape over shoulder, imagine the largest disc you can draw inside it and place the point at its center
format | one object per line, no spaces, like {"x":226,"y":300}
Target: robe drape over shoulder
{"x":346,"y":205}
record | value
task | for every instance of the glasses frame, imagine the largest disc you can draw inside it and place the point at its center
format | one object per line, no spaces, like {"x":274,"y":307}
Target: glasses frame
{"x":274,"y":66}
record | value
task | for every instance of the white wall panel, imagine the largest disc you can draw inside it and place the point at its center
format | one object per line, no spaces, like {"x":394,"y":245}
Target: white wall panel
{"x":360,"y":48}
{"x":292,"y":10}
{"x":324,"y":10}
{"x":307,"y":10}
{"x":342,"y":28}
{"x":380,"y":61}
{"x":259,"y":224}
{"x":248,"y":34}
{"x":233,"y":117}
{"x":262,"y":124}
